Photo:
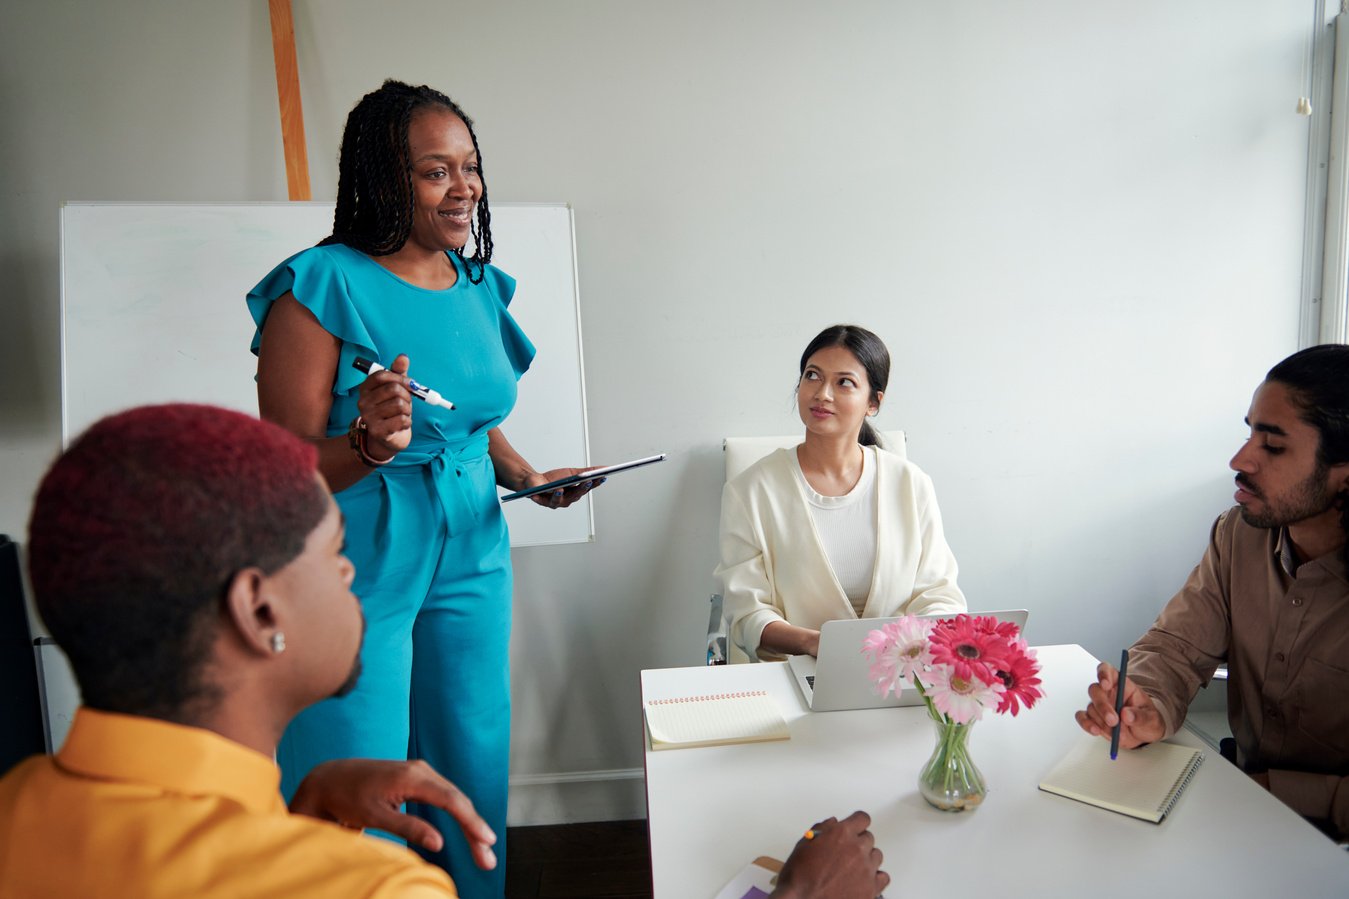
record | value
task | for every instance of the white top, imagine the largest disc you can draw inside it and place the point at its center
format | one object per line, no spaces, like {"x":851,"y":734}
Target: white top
{"x":847,"y":528}
{"x":774,"y":566}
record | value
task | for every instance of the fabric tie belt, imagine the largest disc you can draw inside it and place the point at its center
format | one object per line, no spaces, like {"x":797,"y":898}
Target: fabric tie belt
{"x":445,"y":465}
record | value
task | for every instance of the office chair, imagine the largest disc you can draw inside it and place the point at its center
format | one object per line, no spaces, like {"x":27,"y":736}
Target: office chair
{"x":22,"y":734}
{"x":716,"y":633}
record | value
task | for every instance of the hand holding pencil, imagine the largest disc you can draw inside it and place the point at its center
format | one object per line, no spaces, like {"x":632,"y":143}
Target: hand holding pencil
{"x":1121,"y":679}
{"x":1139,"y":720}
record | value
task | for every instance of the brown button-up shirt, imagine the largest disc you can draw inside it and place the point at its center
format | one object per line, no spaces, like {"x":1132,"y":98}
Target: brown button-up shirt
{"x":1283,"y":630}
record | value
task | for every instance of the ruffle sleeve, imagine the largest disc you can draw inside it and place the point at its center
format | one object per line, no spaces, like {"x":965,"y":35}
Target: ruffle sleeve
{"x":315,"y":279}
{"x":519,"y":349}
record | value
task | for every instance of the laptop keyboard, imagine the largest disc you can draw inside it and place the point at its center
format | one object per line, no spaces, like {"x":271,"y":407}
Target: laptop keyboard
{"x":810,"y":681}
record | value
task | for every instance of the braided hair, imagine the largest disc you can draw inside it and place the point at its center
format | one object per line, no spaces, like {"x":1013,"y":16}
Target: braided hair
{"x":870,"y":351}
{"x":375,"y":198}
{"x":1317,"y":379}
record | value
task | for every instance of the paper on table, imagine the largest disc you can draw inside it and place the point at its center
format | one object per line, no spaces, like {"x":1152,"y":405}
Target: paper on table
{"x":755,"y":881}
{"x":714,"y":720}
{"x":1144,"y":783}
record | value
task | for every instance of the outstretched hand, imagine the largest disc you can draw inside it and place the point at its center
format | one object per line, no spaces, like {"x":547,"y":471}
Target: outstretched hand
{"x":1141,"y":722}
{"x":369,"y":792}
{"x":840,"y":861}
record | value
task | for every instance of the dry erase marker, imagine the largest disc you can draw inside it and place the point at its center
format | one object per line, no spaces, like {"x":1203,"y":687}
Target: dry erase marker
{"x":1119,"y":704}
{"x":420,"y":391}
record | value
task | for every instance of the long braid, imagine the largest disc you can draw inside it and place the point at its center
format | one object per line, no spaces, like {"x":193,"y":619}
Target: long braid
{"x":375,"y":206}
{"x":374,"y":210}
{"x":481,"y":226}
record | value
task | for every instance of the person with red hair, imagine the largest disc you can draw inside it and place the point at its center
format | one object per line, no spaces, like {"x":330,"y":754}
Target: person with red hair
{"x":189,"y":562}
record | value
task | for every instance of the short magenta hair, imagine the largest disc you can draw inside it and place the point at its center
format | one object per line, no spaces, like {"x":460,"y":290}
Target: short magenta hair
{"x":138,"y":529}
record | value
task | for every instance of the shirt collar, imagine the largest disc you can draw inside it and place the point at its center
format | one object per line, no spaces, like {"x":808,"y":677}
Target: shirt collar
{"x":1284,"y":552}
{"x":175,"y":757}
{"x":1333,"y":561}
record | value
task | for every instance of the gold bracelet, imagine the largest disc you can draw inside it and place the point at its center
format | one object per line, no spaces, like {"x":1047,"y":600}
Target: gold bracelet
{"x":356,"y":435}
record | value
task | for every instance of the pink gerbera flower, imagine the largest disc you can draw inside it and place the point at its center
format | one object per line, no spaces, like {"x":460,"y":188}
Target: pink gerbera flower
{"x":973,"y":647}
{"x":1019,"y":679}
{"x":962,"y":699}
{"x":991,"y":625}
{"x":898,"y":650}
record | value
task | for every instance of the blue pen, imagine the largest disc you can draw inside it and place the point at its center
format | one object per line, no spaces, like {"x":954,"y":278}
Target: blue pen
{"x":1119,"y":704}
{"x":420,"y":391}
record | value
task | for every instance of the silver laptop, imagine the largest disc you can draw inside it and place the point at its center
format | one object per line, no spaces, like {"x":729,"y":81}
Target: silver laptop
{"x":837,"y":679}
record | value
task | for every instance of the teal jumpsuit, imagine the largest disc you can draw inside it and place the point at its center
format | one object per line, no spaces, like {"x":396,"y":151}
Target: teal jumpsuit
{"x":426,"y":535}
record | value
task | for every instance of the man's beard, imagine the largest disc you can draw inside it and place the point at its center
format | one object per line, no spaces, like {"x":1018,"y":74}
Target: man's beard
{"x":1306,"y":500}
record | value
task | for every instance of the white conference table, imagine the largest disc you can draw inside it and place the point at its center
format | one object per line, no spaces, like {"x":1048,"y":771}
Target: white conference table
{"x":712,"y":810}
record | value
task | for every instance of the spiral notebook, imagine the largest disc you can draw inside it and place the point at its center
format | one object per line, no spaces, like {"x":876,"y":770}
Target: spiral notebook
{"x":1144,"y":783}
{"x":718,"y":719}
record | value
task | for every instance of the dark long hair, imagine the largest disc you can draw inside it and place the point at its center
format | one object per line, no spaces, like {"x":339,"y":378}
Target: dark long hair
{"x":375,"y":200}
{"x":870,"y":351}
{"x":1318,"y":380}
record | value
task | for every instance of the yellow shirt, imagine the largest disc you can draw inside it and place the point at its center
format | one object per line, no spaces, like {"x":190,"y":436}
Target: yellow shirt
{"x":139,"y":807}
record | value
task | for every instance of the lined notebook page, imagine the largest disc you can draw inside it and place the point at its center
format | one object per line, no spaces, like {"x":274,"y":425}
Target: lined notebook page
{"x":715,"y":720}
{"x":1144,"y":783}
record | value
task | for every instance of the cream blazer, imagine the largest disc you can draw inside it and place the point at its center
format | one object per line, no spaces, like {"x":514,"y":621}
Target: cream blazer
{"x":773,"y":565}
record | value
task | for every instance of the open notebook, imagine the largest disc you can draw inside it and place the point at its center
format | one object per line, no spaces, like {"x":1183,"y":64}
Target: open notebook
{"x":1144,"y":783}
{"x":715,"y":720}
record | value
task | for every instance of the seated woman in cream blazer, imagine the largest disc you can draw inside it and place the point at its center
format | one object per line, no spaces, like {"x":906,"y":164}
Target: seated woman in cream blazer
{"x":836,"y":527}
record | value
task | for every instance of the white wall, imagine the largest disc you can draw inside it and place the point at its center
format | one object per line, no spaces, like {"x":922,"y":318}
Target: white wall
{"x":1077,"y":225}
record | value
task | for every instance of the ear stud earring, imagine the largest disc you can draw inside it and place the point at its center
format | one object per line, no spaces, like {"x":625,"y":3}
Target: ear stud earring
{"x":278,"y":642}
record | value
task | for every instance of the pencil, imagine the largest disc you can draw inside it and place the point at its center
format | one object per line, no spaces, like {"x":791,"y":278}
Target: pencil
{"x":1119,"y":704}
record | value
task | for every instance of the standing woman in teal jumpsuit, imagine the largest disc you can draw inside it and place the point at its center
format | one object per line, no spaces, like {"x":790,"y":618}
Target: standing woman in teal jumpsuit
{"x":416,"y":483}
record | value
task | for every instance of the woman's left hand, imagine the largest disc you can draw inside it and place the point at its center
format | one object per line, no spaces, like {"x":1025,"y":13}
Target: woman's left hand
{"x":560,"y":499}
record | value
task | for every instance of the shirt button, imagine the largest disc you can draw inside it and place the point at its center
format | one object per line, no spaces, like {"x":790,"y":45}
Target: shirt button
{"x":1278,"y":657}
{"x":1297,"y":600}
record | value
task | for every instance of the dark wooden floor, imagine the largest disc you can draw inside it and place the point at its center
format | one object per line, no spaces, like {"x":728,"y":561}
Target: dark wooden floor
{"x":601,"y":860}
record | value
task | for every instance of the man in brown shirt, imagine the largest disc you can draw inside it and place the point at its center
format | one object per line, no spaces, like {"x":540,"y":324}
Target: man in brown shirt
{"x":1270,"y":598}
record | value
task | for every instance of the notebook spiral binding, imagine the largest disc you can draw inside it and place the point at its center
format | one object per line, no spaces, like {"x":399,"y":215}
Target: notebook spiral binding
{"x":1182,"y":781}
{"x":709,"y":697}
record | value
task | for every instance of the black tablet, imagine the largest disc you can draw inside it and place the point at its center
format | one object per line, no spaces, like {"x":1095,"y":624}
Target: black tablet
{"x":593,"y":474}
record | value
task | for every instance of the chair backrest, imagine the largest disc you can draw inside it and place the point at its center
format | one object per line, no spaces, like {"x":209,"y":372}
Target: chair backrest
{"x":742,"y":452}
{"x":20,"y":703}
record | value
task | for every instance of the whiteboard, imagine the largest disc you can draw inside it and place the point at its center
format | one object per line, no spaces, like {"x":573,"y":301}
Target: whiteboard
{"x":152,"y":311}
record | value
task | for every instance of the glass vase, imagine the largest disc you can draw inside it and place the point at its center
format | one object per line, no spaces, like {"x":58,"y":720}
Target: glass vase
{"x":950,"y":781}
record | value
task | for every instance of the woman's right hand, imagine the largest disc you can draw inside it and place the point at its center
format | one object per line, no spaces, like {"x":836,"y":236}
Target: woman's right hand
{"x":779,"y":636}
{"x":386,"y":406}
